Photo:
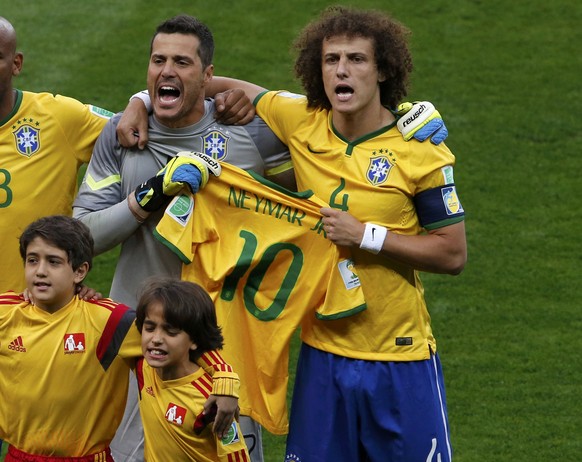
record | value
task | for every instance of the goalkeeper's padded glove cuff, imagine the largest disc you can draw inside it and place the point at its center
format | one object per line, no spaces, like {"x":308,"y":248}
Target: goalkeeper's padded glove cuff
{"x":150,"y":196}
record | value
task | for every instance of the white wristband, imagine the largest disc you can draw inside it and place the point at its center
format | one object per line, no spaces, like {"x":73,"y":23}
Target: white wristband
{"x":373,"y":239}
{"x":145,"y":97}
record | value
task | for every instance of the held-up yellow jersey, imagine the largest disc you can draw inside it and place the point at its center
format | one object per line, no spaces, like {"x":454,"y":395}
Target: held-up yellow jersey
{"x":261,"y":253}
{"x":407,"y":187}
{"x":43,"y":142}
{"x":64,"y":375}
{"x":169,"y":410}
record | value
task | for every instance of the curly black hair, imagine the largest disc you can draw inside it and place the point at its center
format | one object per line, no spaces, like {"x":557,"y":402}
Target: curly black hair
{"x":392,"y":54}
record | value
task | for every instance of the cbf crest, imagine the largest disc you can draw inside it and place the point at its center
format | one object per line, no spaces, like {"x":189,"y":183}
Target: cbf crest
{"x":379,"y":169}
{"x":27,"y":139}
{"x":215,"y":144}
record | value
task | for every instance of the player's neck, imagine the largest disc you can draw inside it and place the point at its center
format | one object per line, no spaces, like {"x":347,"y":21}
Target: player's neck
{"x":53,"y":306}
{"x":176,"y":371}
{"x":353,"y":126}
{"x":7,"y":103}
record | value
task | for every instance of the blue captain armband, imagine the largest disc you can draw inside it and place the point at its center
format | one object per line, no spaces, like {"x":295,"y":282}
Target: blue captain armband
{"x":438,"y":207}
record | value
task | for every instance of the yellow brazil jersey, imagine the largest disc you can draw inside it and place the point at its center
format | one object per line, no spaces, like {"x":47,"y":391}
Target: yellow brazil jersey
{"x":43,"y":142}
{"x":382,"y":179}
{"x":262,"y":255}
{"x":64,"y":375}
{"x":169,"y":410}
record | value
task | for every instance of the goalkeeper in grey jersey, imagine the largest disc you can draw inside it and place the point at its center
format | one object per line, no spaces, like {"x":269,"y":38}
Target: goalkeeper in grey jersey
{"x":122,"y":197}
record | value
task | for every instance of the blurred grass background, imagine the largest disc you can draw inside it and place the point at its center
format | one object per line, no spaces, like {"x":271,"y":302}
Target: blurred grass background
{"x":506,"y":78}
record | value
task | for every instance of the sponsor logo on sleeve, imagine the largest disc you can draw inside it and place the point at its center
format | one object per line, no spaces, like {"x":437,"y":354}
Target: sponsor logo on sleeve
{"x":451,"y":201}
{"x":448,"y":174}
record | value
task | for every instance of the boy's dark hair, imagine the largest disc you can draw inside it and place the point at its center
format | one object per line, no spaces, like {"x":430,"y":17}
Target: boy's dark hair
{"x":65,"y":233}
{"x":188,"y":307}
{"x":389,"y":38}
{"x":189,"y":25}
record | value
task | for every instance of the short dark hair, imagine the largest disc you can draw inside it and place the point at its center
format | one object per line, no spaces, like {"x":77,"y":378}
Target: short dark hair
{"x":189,"y":25}
{"x":389,"y":37}
{"x":65,"y":233}
{"x":188,"y":307}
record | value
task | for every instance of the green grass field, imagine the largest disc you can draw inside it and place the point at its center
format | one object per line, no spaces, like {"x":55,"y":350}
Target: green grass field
{"x":506,"y":77}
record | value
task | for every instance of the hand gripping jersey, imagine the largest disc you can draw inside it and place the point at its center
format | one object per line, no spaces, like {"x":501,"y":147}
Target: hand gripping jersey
{"x":169,"y":410}
{"x":43,"y":142}
{"x":261,"y":253}
{"x":64,"y":375}
{"x":407,"y":187}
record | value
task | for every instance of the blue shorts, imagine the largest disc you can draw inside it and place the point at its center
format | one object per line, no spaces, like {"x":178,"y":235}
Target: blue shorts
{"x":350,"y":410}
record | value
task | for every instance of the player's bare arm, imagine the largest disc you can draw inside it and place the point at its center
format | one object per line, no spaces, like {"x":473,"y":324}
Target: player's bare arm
{"x":132,"y":129}
{"x":222,"y":84}
{"x":234,"y":107}
{"x":442,"y":250}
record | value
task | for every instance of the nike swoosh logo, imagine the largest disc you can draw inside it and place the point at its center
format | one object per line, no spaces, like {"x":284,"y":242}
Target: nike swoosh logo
{"x":312,"y":151}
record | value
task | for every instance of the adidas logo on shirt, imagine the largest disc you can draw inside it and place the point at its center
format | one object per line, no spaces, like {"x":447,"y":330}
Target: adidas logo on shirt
{"x":17,"y":345}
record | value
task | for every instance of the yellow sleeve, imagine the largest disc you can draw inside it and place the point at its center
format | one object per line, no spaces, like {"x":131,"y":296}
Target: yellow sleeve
{"x":81,"y":124}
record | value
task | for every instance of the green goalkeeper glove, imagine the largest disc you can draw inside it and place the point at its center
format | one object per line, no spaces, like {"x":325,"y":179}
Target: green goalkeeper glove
{"x":189,"y":169}
{"x":420,"y":121}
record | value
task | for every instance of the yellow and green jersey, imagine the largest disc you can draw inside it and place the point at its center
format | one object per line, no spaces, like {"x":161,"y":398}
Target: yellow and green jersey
{"x":43,"y":142}
{"x":261,"y":253}
{"x":407,"y":187}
